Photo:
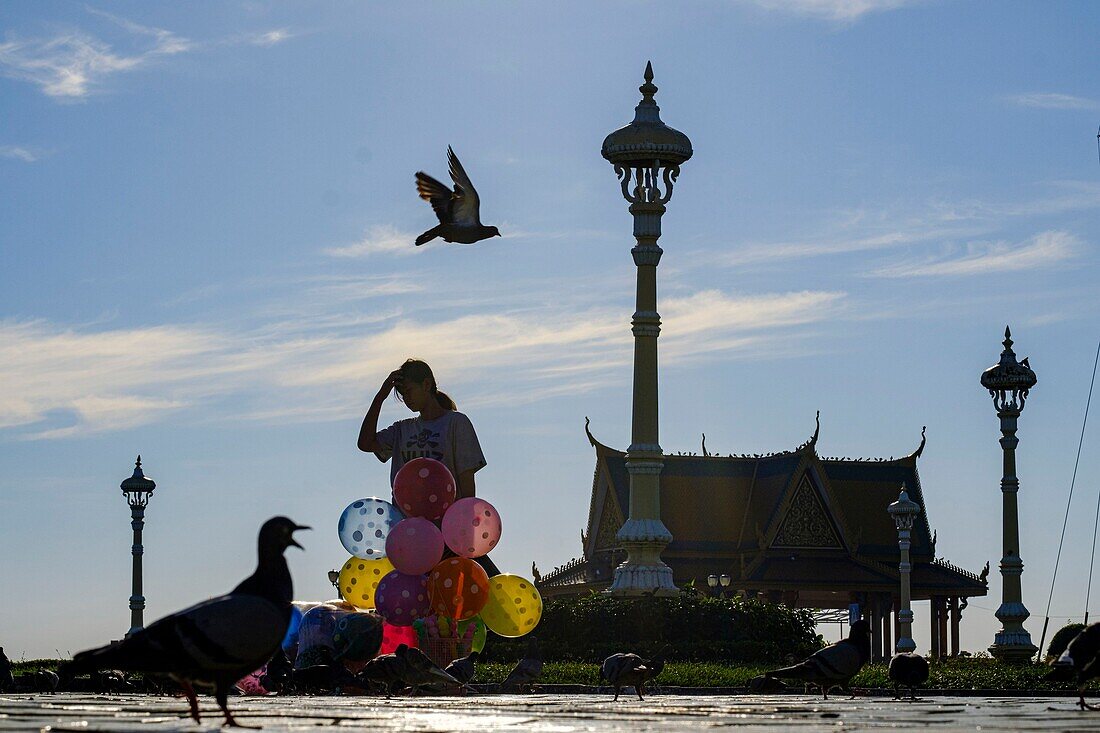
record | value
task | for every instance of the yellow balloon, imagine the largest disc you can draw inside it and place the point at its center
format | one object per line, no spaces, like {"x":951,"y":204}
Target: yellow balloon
{"x":514,"y":607}
{"x":359,"y":580}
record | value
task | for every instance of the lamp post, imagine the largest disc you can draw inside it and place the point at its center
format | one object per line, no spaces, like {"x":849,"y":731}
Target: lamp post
{"x":647,"y":155}
{"x":712,"y":583}
{"x":1008,"y":383}
{"x":137,"y":489}
{"x":904,"y":511}
{"x":724,"y":581}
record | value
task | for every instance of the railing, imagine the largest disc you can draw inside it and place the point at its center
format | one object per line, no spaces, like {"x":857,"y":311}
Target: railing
{"x":940,"y":562}
{"x":564,"y":574}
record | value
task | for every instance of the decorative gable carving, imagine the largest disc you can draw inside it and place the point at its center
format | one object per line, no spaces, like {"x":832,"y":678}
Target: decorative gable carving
{"x":610,"y":522}
{"x":807,"y":524}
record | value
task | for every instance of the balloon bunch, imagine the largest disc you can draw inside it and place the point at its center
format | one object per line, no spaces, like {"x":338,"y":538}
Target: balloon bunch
{"x":400,"y":567}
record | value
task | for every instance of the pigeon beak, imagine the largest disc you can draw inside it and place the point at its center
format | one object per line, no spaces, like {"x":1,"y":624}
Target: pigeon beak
{"x":292,"y":542}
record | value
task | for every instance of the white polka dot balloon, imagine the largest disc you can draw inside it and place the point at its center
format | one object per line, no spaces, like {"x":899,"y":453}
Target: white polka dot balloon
{"x":364,"y":526}
{"x":471,"y":527}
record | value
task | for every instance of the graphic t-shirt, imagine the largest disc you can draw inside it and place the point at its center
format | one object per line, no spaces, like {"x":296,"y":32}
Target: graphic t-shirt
{"x":449,"y":438}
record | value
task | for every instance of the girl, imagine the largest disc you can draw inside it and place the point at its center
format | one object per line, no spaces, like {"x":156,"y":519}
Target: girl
{"x":439,"y":431}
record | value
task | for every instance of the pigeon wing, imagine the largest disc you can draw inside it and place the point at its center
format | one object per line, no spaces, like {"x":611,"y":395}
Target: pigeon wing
{"x":838,"y":661}
{"x":467,"y":205}
{"x":439,"y":196}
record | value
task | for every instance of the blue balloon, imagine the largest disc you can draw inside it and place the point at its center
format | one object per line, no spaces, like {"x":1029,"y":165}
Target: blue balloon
{"x":364,"y":526}
{"x":291,"y":637}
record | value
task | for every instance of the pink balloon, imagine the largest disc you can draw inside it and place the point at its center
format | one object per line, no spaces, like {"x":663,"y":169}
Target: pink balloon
{"x":471,"y":527}
{"x":402,"y":599}
{"x":394,"y":636}
{"x":424,"y":487}
{"x":414,"y":546}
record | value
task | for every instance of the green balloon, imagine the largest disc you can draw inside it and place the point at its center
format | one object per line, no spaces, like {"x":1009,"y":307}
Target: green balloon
{"x":478,"y":642}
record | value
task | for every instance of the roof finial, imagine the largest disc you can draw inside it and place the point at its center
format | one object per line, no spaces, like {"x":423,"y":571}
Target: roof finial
{"x":138,"y":464}
{"x":920,"y":448}
{"x":1008,"y":338}
{"x":649,"y":88}
{"x":705,"y":445}
{"x":817,"y":428}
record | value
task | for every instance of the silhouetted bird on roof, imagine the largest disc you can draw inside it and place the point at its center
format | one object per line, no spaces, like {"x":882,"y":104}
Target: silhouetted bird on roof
{"x":216,"y":642}
{"x":1080,"y":662}
{"x":836,"y":664}
{"x":908,"y":670}
{"x":527,"y":670}
{"x":458,"y":210}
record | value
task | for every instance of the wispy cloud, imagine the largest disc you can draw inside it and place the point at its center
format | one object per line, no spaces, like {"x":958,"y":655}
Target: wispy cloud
{"x":73,"y":65}
{"x":1044,"y":250}
{"x":1052,"y":100}
{"x":63,"y":382}
{"x":379,"y":240}
{"x":18,"y":153}
{"x":835,"y":10}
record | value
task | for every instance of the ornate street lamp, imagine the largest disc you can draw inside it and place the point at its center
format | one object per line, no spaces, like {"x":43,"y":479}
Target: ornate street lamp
{"x":137,"y":489}
{"x":647,"y":155}
{"x":904,"y":511}
{"x":334,"y":578}
{"x":724,"y":581}
{"x":1008,"y":383}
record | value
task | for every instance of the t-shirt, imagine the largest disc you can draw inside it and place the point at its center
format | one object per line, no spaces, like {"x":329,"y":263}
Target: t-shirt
{"x":449,"y":438}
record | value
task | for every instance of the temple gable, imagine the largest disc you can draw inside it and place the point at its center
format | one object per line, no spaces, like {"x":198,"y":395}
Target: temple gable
{"x":806,"y":523}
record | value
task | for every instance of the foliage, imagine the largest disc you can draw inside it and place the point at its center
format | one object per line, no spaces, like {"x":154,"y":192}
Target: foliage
{"x":1062,"y":639}
{"x":692,"y":627}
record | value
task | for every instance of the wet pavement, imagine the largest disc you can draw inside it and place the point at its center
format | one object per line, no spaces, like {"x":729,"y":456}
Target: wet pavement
{"x":547,"y":712}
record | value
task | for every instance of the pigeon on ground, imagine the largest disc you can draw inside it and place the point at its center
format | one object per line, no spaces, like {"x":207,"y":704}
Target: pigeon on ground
{"x":908,"y":670}
{"x":762,"y":685}
{"x":527,"y":670}
{"x":1080,"y":662}
{"x":216,"y":642}
{"x":459,"y":211}
{"x":625,"y":670}
{"x":7,"y":679}
{"x":277,"y":674}
{"x":45,"y":680}
{"x":321,"y":679}
{"x":836,"y":664}
{"x":463,"y":669}
{"x":405,"y":667}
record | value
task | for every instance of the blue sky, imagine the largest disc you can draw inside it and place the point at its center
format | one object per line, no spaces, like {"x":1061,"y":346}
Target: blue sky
{"x":206,"y":217}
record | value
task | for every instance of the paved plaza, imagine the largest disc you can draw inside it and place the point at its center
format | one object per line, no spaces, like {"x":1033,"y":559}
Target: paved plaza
{"x":557,"y":713}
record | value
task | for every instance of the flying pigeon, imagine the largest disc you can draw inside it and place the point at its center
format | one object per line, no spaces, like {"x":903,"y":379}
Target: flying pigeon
{"x":463,"y":669}
{"x":1080,"y":662}
{"x":458,"y":210}
{"x":625,"y":670}
{"x":908,"y":670}
{"x":527,"y":670}
{"x":216,"y":642}
{"x":836,"y":664}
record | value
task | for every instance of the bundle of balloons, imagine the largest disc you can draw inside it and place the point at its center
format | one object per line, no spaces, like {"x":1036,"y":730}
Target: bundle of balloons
{"x":400,"y":567}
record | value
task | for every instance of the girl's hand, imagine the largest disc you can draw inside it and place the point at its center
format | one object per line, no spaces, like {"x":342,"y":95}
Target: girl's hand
{"x":392,"y":381}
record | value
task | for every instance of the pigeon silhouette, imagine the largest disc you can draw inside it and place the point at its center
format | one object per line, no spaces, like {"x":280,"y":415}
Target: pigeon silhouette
{"x":218,"y":641}
{"x":463,"y":669}
{"x":459,"y":211}
{"x":1080,"y":662}
{"x":527,"y":670}
{"x":836,"y":664}
{"x":908,"y":670}
{"x":7,"y":679}
{"x":625,"y":670}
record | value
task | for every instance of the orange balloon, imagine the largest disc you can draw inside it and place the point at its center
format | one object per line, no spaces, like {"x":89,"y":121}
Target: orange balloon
{"x":459,"y":588}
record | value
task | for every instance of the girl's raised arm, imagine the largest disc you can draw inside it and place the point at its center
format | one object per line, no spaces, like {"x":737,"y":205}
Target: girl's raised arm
{"x":368,"y":433}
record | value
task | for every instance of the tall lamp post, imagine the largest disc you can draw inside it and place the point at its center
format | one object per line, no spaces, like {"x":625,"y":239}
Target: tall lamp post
{"x":647,"y":155}
{"x":137,"y":489}
{"x":1009,"y":382}
{"x":904,"y":511}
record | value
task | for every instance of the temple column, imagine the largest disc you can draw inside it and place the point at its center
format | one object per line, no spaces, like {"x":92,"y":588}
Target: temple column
{"x":954,"y":626}
{"x":934,"y":625}
{"x":897,"y":623}
{"x":943,"y":627}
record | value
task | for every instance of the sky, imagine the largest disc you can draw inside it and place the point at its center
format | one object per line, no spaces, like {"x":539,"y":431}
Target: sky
{"x":206,"y":223}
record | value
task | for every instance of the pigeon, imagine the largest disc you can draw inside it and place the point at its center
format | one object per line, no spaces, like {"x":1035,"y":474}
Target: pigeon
{"x":527,"y":670}
{"x":7,"y":679}
{"x":45,"y":680}
{"x":1080,"y":662}
{"x":458,"y":210}
{"x":405,"y":667}
{"x":321,"y":679}
{"x":836,"y":664}
{"x":908,"y":670}
{"x":625,"y":670}
{"x":762,"y":685}
{"x":218,"y":641}
{"x":277,"y":674}
{"x":463,"y":669}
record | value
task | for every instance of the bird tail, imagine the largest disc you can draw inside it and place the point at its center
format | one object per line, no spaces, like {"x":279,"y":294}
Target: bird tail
{"x":429,"y":235}
{"x":800,"y":671}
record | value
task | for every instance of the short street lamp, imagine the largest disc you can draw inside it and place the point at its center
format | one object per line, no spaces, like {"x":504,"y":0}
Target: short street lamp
{"x":334,"y":578}
{"x":904,"y":511}
{"x":137,"y":489}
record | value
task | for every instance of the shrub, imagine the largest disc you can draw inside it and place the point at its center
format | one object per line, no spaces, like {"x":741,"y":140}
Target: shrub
{"x":692,"y":627}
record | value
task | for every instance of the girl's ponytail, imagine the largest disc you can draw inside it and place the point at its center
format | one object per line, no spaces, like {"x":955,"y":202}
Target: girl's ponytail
{"x":444,"y":400}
